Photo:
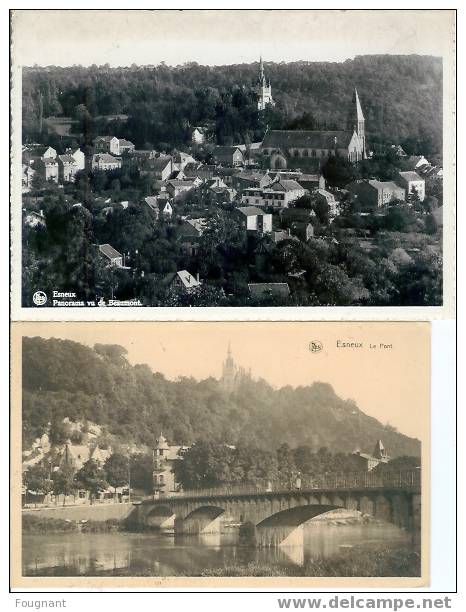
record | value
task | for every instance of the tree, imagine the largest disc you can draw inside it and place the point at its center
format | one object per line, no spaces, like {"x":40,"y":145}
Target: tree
{"x":64,"y":482}
{"x":92,"y":478}
{"x":116,"y":470}
{"x":37,"y":479}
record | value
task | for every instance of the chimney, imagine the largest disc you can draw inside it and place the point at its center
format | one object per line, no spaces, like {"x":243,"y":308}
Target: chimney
{"x":197,"y":277}
{"x":335,"y":140}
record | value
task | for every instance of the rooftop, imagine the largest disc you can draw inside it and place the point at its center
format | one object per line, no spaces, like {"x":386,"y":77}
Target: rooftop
{"x":109,"y":251}
{"x":289,"y":139}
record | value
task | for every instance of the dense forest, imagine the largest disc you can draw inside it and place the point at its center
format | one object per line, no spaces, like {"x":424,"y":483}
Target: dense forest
{"x":62,"y":379}
{"x":401,"y":98}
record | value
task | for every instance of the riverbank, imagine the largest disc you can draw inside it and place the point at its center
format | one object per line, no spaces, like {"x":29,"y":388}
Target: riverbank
{"x":38,"y":525}
{"x":358,"y":562}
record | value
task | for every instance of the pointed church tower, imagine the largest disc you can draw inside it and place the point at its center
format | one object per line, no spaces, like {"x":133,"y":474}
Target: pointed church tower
{"x":263,"y":89}
{"x":357,"y":124}
{"x":229,"y":372}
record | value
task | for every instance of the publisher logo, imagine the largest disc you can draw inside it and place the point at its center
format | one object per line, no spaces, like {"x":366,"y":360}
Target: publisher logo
{"x":39,"y":298}
{"x":315,"y":346}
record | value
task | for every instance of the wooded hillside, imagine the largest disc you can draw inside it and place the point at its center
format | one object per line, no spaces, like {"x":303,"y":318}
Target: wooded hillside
{"x":401,"y":98}
{"x":66,"y":379}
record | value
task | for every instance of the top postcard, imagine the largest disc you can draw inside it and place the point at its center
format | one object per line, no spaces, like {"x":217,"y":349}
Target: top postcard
{"x":217,"y":164}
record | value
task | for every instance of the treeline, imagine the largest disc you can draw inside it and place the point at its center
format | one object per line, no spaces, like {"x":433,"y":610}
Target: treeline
{"x":132,"y":403}
{"x":401,"y":98}
{"x":209,"y":465}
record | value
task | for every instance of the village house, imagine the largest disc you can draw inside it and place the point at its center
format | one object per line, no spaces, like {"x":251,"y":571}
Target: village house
{"x":282,"y":193}
{"x":42,"y":152}
{"x":181,"y":160}
{"x":161,"y":207}
{"x":247,"y":179}
{"x":164,"y":459}
{"x":79,"y":158}
{"x":113,"y":145}
{"x":160,"y":168}
{"x":112,"y":256}
{"x":228,"y":156}
{"x":51,"y":172}
{"x":183,"y":281}
{"x":415,"y":162}
{"x":198,"y":135}
{"x":327,"y":197}
{"x":254,"y":219}
{"x":105,"y":162}
{"x":67,"y":168}
{"x":369,"y":462}
{"x":375,"y":194}
{"x":190,"y":232}
{"x":413,"y":184}
{"x":311,"y":182}
{"x":177,"y":189}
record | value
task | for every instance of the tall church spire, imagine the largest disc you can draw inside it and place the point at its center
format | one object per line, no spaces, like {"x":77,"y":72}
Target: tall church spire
{"x":263,"y":88}
{"x":357,"y":123}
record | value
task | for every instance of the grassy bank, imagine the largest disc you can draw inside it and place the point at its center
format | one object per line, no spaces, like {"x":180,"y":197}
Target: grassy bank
{"x":35,"y":525}
{"x":383,"y":562}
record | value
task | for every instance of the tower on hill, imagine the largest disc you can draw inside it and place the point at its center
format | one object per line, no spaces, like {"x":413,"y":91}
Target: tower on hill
{"x":263,"y":89}
{"x":232,"y":375}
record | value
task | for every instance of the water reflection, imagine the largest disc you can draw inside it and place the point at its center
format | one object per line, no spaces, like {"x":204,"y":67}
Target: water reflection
{"x":162,"y":555}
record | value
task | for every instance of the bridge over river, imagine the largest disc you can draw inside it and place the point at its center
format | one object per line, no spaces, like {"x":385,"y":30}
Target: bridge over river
{"x":277,"y":510}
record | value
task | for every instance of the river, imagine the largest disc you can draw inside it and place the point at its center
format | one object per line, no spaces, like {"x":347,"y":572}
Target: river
{"x":81,"y":554}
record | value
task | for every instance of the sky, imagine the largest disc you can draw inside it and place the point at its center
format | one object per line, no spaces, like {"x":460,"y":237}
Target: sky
{"x":222,"y":37}
{"x":390,"y":384}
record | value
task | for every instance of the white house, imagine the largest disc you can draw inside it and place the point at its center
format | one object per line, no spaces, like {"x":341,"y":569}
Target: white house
{"x":413,"y":183}
{"x":105,"y":162}
{"x":79,"y":158}
{"x":113,"y":257}
{"x":281,"y":193}
{"x":254,"y":219}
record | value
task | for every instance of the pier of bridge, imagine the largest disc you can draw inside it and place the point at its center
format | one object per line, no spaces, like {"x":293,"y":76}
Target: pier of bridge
{"x":276,"y":511}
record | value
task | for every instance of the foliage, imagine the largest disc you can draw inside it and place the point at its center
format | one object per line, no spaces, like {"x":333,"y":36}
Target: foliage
{"x":37,"y":479}
{"x":62,"y":379}
{"x":91,"y":477}
{"x":64,"y":482}
{"x":163,"y":101}
{"x":116,"y":470}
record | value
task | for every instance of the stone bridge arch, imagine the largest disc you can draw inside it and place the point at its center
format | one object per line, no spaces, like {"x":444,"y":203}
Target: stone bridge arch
{"x":276,"y":529}
{"x":203,"y":519}
{"x":160,"y":517}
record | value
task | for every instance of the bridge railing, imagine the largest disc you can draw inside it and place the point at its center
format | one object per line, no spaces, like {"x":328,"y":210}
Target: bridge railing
{"x":403,"y":479}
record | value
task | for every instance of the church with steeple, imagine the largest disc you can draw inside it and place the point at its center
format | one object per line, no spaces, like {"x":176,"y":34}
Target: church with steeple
{"x":263,"y":89}
{"x":232,"y":374}
{"x":306,"y":149}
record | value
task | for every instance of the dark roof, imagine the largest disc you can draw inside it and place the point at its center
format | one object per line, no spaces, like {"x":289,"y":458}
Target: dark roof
{"x":250,"y":210}
{"x":159,"y":163}
{"x":289,"y":139}
{"x":67,"y":159}
{"x":225,"y":150}
{"x":410,"y":176}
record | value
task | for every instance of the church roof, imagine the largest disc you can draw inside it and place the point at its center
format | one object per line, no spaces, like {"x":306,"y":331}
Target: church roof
{"x":359,"y":113}
{"x":306,"y":139}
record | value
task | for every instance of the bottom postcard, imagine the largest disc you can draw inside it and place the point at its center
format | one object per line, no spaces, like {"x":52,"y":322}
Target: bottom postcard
{"x":220,"y":455}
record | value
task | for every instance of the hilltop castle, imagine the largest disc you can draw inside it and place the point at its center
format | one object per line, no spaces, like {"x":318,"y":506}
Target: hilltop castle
{"x":232,"y":375}
{"x":263,"y":89}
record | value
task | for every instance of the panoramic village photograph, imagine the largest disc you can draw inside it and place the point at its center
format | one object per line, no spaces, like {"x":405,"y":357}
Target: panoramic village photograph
{"x":190,"y":450}
{"x":258,"y":178}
